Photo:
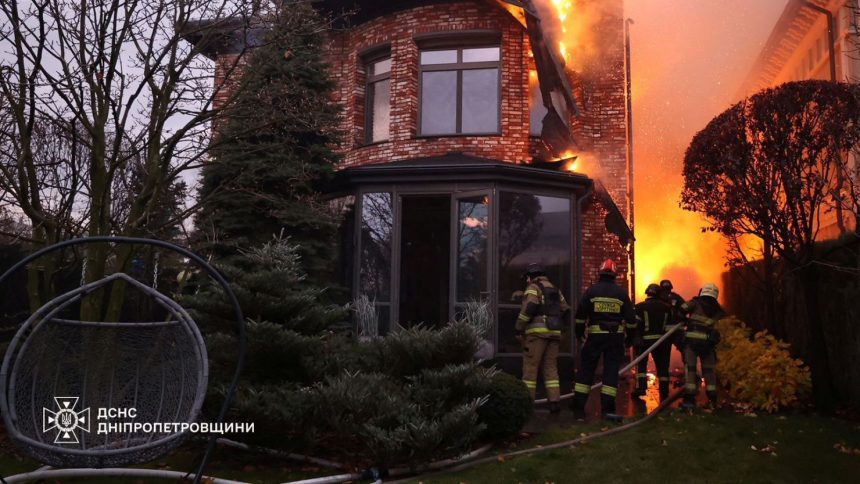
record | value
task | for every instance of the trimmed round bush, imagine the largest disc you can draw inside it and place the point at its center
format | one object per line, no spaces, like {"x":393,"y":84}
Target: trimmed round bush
{"x":508,"y":408}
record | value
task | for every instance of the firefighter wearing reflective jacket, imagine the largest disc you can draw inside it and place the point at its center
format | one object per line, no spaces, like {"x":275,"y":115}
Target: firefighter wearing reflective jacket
{"x":654,"y":318}
{"x":604,"y":313}
{"x":676,"y":301}
{"x":700,"y":340}
{"x":539,"y":324}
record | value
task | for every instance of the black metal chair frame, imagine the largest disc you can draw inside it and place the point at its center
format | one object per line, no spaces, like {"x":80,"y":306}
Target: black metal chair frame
{"x":181,"y":316}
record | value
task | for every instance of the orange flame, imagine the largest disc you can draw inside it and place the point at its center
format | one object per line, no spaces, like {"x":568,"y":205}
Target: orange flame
{"x":563,"y":9}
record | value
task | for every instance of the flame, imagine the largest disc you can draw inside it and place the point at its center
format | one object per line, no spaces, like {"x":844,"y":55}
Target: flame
{"x":563,"y":9}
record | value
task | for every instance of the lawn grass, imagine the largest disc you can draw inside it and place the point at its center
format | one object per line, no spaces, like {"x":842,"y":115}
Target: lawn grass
{"x":673,"y":447}
{"x":226,"y":463}
{"x":677,"y":447}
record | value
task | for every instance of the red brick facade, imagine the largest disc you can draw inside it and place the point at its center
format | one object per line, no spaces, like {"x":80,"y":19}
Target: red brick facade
{"x":600,"y":128}
{"x":397,"y":30}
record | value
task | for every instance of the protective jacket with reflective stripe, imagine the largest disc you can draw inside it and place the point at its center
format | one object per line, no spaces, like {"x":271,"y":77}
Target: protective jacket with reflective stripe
{"x":654,"y":317}
{"x":703,"y":313}
{"x":605,"y":305}
{"x":531,"y":319}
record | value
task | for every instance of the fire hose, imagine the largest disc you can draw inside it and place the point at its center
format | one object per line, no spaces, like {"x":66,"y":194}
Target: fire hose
{"x":534,"y":450}
{"x":436,"y":468}
{"x":630,"y":365}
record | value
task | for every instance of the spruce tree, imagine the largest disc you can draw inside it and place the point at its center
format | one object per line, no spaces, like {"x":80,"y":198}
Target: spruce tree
{"x":275,"y":146}
{"x":263,"y":222}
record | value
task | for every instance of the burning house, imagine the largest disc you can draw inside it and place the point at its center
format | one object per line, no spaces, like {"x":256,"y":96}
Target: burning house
{"x":474,"y":148}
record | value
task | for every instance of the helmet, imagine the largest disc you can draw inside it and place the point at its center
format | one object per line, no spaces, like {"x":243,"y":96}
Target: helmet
{"x":653,"y":290}
{"x":608,"y":267}
{"x":710,"y":289}
{"x":533,"y":270}
{"x":666,"y":284}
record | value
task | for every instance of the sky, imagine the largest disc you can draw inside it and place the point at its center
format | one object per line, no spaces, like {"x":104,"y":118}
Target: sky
{"x":689,"y":59}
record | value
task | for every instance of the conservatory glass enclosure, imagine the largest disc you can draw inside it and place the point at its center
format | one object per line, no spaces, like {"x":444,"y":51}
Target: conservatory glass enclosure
{"x":425,"y":236}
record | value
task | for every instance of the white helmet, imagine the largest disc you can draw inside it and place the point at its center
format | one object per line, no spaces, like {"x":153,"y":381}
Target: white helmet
{"x":710,"y":289}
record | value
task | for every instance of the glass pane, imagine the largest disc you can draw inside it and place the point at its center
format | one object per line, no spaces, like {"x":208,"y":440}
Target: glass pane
{"x":380,"y":110}
{"x":429,"y":57}
{"x":533,"y":228}
{"x":472,"y":232}
{"x":486,"y":54}
{"x":439,"y":102}
{"x":380,"y":67}
{"x":507,"y":337}
{"x":481,"y":101}
{"x":384,"y":313}
{"x":377,"y":216}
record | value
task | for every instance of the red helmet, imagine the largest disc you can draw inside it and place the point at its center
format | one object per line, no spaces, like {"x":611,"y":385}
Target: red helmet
{"x":609,"y":267}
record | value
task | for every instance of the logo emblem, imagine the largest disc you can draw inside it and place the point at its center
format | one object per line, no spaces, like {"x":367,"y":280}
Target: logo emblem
{"x":65,"y":420}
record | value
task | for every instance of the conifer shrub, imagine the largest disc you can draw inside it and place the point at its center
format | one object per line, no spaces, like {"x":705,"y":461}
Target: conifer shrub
{"x":509,"y":406}
{"x":759,"y":370}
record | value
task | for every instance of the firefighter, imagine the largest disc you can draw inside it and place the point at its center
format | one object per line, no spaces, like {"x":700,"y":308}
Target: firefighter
{"x":654,"y":317}
{"x":672,"y":298}
{"x":676,"y":301}
{"x":604,"y":312}
{"x":538,"y":326}
{"x":700,"y":340}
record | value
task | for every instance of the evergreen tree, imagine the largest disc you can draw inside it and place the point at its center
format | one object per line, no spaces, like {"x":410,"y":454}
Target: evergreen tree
{"x":275,"y":147}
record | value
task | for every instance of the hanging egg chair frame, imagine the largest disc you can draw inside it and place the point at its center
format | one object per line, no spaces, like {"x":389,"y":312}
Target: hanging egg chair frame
{"x":47,"y":311}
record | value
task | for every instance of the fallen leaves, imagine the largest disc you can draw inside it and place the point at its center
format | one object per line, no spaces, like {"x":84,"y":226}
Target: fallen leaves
{"x":767,"y":449}
{"x":844,"y":449}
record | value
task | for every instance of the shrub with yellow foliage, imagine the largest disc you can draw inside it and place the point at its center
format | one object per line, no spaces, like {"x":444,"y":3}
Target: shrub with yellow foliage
{"x":759,"y":369}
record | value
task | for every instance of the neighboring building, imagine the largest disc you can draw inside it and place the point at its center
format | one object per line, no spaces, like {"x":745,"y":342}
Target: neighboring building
{"x":798,"y":49}
{"x":456,"y":114}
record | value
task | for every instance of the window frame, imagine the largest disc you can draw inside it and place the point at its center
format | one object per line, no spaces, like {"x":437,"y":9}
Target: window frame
{"x":459,"y":67}
{"x":368,"y":58}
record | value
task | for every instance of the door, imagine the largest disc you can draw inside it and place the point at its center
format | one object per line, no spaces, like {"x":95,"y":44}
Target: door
{"x":425,"y":251}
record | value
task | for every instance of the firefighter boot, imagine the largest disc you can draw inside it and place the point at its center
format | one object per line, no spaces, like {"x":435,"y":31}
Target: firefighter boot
{"x":554,"y":408}
{"x":613,"y":417}
{"x":712,"y":399}
{"x":689,"y":402}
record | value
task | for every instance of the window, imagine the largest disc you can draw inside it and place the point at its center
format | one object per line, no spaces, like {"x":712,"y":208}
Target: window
{"x":460,"y":91}
{"x":377,"y":228}
{"x":532,"y":229}
{"x":378,"y":108}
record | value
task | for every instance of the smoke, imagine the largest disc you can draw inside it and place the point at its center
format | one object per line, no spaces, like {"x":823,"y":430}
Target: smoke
{"x":688,"y":61}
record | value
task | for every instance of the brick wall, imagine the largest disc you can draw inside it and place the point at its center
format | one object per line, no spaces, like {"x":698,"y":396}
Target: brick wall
{"x":397,"y":30}
{"x":603,"y":130}
{"x":600,"y":88}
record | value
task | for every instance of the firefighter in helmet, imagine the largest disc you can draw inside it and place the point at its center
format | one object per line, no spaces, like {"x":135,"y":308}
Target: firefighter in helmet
{"x":539,"y":325}
{"x":604,"y":313}
{"x":674,"y":300}
{"x":700,"y":340}
{"x":654,"y":317}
